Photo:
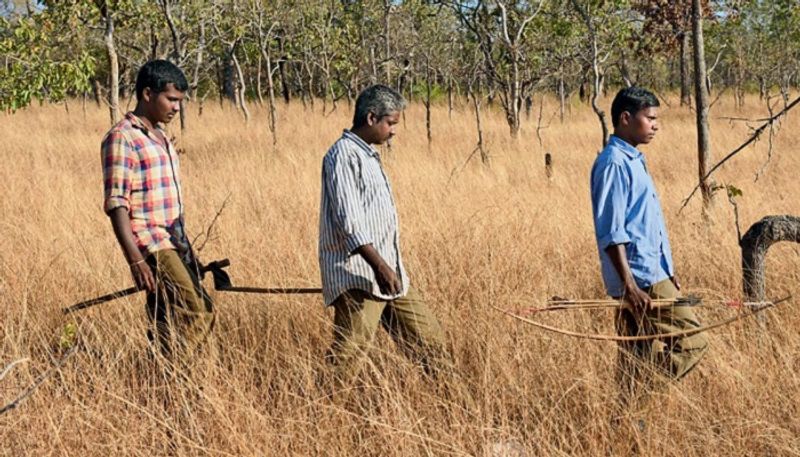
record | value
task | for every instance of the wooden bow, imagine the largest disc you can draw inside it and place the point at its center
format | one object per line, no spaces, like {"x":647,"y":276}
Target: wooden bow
{"x":755,"y":307}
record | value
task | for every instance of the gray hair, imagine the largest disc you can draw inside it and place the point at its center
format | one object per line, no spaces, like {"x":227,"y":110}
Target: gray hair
{"x":379,"y":100}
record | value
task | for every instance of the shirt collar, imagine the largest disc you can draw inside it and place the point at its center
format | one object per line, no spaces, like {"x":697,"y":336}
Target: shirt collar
{"x":625,"y":147}
{"x":361,"y":143}
{"x":136,"y":122}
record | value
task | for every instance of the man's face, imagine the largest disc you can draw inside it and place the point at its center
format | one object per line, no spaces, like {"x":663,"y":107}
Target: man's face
{"x":164,"y":105}
{"x":643,"y":126}
{"x":383,"y":129}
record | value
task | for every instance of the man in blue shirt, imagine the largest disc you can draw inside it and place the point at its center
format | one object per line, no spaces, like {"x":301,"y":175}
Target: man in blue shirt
{"x":635,"y":254}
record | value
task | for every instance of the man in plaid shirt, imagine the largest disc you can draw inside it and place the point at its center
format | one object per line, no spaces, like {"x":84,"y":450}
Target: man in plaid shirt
{"x":144,"y":202}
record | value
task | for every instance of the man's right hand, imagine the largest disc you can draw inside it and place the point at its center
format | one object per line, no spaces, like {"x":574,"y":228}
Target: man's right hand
{"x":636,"y":297}
{"x":143,"y":276}
{"x":387,"y":280}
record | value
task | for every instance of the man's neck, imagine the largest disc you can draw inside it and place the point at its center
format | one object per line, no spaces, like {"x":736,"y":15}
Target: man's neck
{"x":359,"y":132}
{"x":141,"y":114}
{"x":626,"y":138}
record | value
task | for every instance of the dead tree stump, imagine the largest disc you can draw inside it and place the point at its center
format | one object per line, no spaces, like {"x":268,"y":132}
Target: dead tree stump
{"x":548,"y":165}
{"x":755,"y":244}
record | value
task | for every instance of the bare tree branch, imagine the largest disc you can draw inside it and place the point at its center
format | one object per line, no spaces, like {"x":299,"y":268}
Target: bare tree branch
{"x":754,"y":137}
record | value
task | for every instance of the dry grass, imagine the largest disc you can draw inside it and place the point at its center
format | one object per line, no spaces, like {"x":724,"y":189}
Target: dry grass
{"x":504,"y":235}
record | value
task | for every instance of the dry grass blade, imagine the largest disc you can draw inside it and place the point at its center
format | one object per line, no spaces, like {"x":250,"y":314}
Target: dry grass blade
{"x":11,"y":365}
{"x":38,"y":381}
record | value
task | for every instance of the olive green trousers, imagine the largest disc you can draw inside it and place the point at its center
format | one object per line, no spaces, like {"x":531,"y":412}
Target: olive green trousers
{"x":180,"y":312}
{"x":408,"y":320}
{"x":670,"y":357}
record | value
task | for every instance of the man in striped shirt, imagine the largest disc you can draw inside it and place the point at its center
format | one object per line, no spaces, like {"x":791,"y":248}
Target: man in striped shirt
{"x":144,"y":202}
{"x":359,"y":247}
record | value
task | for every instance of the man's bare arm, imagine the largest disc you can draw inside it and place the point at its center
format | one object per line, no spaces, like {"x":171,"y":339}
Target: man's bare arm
{"x":142,"y":275}
{"x":638,"y":298}
{"x":387,"y":278}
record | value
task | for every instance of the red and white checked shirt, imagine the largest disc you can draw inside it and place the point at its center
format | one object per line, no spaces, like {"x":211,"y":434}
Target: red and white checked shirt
{"x":140,"y":174}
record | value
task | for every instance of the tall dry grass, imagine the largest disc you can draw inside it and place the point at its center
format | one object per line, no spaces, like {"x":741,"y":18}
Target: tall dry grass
{"x":505,"y":236}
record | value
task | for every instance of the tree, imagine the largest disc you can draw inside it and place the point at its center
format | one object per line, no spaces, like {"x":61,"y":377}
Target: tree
{"x":501,"y":30}
{"x":701,"y":102}
{"x":41,"y":64}
{"x":607,"y":29}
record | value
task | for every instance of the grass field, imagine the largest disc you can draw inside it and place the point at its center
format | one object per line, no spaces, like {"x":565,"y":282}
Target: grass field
{"x":505,"y":235}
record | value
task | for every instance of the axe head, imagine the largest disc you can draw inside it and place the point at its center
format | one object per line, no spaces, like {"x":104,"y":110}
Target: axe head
{"x":221,"y":279}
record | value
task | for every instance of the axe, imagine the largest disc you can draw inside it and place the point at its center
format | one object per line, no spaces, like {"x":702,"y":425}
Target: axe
{"x":215,"y":265}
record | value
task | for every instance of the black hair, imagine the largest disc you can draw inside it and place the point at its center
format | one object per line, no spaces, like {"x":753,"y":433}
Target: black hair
{"x":632,"y":100}
{"x":156,"y":74}
{"x":379,"y":100}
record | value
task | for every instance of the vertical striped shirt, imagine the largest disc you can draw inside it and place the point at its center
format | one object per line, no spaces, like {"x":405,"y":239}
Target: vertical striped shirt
{"x":357,"y":208}
{"x":140,"y":174}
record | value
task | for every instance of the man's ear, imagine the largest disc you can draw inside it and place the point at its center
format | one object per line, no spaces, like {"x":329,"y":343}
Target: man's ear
{"x":625,"y":118}
{"x":146,"y":94}
{"x":371,"y":119}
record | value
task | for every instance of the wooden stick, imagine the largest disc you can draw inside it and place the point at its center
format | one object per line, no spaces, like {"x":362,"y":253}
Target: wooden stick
{"x":618,"y":338}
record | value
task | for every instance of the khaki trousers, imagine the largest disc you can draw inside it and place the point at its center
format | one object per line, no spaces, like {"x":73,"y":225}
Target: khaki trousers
{"x":181,"y":313}
{"x":408,"y":320}
{"x":673,"y":357}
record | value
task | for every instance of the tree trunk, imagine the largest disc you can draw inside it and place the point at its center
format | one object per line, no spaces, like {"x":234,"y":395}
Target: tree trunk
{"x":282,"y":72}
{"x":686,"y":99}
{"x":596,"y":70}
{"x":113,"y":68}
{"x":259,"y":69}
{"x":310,"y":74}
{"x":387,"y":9}
{"x":476,"y":103}
{"x":514,"y":101}
{"x":177,"y":52}
{"x":228,"y":75}
{"x":242,"y":88}
{"x":562,"y":97}
{"x":198,"y":63}
{"x":428,"y":101}
{"x":449,"y":97}
{"x":701,"y":103}
{"x":755,"y":244}
{"x":97,"y":91}
{"x":271,"y":98}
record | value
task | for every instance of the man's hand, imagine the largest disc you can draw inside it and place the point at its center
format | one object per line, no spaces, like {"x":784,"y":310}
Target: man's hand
{"x":636,"y":297}
{"x":385,"y":276}
{"x":675,"y":281}
{"x":143,"y":276}
{"x":387,"y":279}
{"x":141,"y":272}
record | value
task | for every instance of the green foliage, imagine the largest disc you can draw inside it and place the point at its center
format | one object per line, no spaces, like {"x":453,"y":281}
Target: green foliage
{"x":733,"y":191}
{"x":68,"y":337}
{"x":40,"y":63}
{"x":338,"y":47}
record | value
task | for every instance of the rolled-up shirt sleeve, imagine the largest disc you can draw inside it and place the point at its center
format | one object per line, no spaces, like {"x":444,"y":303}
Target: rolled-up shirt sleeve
{"x":119,"y":160}
{"x":610,"y":189}
{"x":341,"y":181}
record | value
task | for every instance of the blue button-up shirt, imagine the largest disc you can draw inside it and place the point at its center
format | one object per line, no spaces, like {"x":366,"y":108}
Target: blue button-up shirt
{"x":627,"y":211}
{"x":357,"y":208}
